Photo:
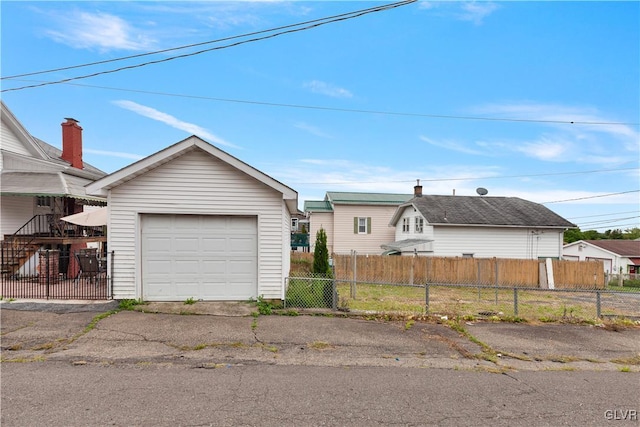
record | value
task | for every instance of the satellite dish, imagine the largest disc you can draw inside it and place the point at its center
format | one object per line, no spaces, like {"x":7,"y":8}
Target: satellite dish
{"x":482,"y":191}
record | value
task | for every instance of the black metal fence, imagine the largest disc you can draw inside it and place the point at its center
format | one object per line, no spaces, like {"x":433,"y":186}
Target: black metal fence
{"x":83,"y":274}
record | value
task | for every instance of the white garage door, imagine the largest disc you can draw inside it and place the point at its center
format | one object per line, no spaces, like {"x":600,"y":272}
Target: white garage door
{"x":199,"y":256}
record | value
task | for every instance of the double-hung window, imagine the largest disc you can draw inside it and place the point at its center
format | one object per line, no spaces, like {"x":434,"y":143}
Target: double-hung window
{"x":362,"y":225}
{"x":419,"y":224}
{"x":406,"y":225}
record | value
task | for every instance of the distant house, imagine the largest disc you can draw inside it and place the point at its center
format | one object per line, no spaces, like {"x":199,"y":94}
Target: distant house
{"x":476,"y":226}
{"x":192,"y":221}
{"x":40,"y":184}
{"x":616,"y":255}
{"x":353,"y":221}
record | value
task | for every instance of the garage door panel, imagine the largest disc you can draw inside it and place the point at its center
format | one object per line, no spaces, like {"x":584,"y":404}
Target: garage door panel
{"x":214,"y":244}
{"x":158,"y":244}
{"x":186,"y":244}
{"x":241,"y":245}
{"x":199,"y":256}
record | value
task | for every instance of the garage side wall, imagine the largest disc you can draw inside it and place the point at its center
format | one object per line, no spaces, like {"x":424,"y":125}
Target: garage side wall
{"x":195,"y":183}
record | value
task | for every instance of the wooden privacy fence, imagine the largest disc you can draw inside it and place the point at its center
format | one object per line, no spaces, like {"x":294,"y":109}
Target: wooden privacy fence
{"x":480,"y":271}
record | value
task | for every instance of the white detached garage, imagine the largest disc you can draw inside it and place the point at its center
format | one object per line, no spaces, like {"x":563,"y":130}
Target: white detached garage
{"x":192,"y":221}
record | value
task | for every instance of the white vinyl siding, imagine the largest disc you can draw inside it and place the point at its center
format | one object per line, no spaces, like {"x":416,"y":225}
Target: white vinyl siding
{"x":580,"y":251}
{"x":16,"y":211}
{"x":195,"y":183}
{"x":9,"y":142}
{"x":499,"y":242}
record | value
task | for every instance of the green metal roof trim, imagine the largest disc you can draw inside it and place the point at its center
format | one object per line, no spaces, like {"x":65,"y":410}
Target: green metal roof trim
{"x":367,"y":198}
{"x":317,"y":206}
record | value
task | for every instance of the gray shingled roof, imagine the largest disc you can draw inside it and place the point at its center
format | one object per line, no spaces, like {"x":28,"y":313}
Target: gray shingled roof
{"x":475,"y":210}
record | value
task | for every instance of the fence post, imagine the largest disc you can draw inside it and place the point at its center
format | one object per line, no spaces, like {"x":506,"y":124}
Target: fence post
{"x":426,"y":296}
{"x":515,"y":302}
{"x":496,"y":280}
{"x":354,"y":262}
{"x":111,"y":276}
{"x":479,"y":281}
{"x":598,"y":306}
{"x":47,"y":280}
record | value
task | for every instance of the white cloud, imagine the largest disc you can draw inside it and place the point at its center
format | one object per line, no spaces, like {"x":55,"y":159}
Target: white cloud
{"x":476,"y":11}
{"x":168,"y":119}
{"x":316,"y":86}
{"x":312,"y":129}
{"x":452,"y":145}
{"x":113,"y":154}
{"x":571,"y":134}
{"x":83,"y":30}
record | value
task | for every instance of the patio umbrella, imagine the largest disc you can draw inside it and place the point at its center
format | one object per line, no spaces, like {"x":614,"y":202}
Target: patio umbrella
{"x":94,"y":217}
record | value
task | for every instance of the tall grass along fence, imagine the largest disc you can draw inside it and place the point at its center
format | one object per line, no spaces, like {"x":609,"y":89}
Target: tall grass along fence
{"x":448,"y":286}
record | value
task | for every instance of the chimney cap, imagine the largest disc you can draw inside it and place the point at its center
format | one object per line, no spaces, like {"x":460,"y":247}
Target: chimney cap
{"x":69,"y":119}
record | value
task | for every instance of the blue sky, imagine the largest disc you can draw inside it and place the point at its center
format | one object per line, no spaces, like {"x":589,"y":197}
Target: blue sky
{"x":460,"y":95}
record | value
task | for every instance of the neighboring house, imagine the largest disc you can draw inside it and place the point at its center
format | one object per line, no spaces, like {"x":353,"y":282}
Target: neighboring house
{"x":192,"y":221}
{"x":354,"y":221}
{"x":299,"y":232}
{"x":476,"y":226}
{"x":615,"y":254}
{"x":39,"y":184}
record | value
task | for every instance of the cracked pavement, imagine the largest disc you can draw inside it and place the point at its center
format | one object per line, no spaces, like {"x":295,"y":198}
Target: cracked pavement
{"x":228,"y":335}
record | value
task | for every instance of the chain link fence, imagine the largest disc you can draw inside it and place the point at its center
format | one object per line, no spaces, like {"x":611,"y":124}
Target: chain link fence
{"x":471,"y":291}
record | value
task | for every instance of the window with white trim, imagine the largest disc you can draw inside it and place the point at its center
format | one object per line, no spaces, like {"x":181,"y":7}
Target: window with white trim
{"x":419,"y":224}
{"x":406,"y":225}
{"x":362,"y":225}
{"x":294,"y":224}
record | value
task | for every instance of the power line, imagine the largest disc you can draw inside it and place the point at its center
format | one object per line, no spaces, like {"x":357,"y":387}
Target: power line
{"x":326,"y":21}
{"x":347,"y":110}
{"x":593,"y":216}
{"x":469,"y":178}
{"x":373,"y":9}
{"x":592,"y":197}
{"x":611,"y":220}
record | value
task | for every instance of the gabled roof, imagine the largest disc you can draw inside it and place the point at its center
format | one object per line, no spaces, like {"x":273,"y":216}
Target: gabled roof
{"x":38,"y":169}
{"x":332,"y":198}
{"x":624,"y":248}
{"x":483,"y":211}
{"x":350,"y":198}
{"x":103,"y":185}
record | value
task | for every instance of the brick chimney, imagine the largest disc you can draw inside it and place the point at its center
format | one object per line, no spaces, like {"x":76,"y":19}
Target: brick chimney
{"x":417,"y":190}
{"x":72,"y":143}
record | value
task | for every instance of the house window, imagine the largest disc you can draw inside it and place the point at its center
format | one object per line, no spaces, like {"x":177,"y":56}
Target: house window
{"x":419,"y":224}
{"x":467,"y":255}
{"x":294,"y":224}
{"x":362,"y":225}
{"x":43,"y":201}
{"x":406,"y":224}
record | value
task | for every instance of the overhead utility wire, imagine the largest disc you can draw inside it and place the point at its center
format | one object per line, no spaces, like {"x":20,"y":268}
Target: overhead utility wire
{"x":592,"y":197}
{"x":345,"y":17}
{"x":468,"y":178}
{"x":373,"y":9}
{"x":349,"y":110}
{"x":607,"y":221}
{"x":593,"y":216}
